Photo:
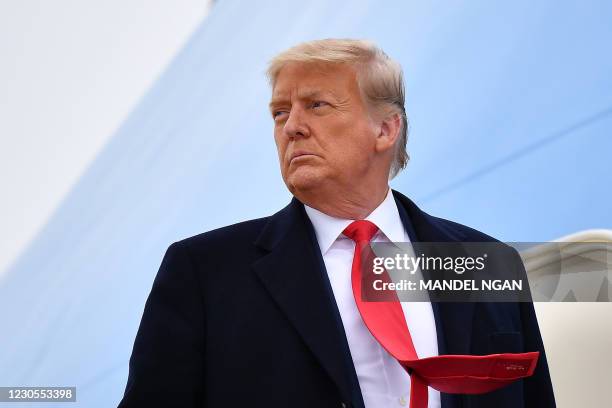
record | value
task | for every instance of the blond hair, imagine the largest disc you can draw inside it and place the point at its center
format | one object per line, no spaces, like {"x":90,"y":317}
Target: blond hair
{"x":379,"y":77}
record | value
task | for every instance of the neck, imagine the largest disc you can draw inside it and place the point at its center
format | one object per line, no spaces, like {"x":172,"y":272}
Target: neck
{"x":350,"y":205}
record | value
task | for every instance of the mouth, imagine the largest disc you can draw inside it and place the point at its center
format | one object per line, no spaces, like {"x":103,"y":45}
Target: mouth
{"x":301,"y":155}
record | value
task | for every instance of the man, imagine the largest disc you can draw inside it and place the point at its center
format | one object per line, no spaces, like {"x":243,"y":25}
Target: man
{"x":262,"y":313}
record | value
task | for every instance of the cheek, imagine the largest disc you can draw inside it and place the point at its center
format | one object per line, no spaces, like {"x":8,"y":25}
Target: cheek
{"x":281,"y":148}
{"x":281,"y":145}
{"x":351,"y":143}
{"x":342,"y":156}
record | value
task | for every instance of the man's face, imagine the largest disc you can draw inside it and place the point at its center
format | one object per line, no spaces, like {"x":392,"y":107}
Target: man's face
{"x":322,"y":128}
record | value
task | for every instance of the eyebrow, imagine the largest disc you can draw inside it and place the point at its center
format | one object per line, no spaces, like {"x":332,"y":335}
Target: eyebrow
{"x":306,"y":95}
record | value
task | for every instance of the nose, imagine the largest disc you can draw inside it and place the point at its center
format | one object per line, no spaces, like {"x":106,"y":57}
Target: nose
{"x":296,"y":126}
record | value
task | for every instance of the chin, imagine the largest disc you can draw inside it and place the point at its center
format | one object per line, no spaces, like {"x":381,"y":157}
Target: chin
{"x":304,"y":180}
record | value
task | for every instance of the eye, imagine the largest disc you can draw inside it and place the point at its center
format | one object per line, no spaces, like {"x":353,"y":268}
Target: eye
{"x":318,"y":104}
{"x":277,"y":113}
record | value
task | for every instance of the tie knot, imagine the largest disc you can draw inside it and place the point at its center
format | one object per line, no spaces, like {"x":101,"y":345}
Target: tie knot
{"x":361,"y":231}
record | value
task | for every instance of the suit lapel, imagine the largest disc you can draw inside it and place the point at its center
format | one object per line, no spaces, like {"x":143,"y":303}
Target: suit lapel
{"x":293,"y":273}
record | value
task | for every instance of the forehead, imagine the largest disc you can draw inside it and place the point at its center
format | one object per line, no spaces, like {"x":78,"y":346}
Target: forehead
{"x":299,"y":78}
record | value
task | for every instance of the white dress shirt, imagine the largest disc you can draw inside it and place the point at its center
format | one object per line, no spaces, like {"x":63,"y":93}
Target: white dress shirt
{"x":383,"y":381}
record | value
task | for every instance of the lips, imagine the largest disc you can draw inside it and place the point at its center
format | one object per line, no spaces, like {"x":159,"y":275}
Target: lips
{"x":300,"y":153}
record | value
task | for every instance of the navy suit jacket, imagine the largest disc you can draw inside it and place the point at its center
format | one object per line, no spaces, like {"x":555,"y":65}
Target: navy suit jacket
{"x":245,"y":316}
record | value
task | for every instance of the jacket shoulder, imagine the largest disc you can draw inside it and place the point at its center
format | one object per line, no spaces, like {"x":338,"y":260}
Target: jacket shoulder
{"x":234,"y":234}
{"x":437,"y":227}
{"x":467,"y":234}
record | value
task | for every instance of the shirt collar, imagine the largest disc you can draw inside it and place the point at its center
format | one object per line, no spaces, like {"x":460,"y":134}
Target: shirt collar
{"x":385,"y":216}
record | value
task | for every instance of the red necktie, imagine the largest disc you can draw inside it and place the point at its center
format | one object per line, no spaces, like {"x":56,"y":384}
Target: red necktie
{"x":457,"y":374}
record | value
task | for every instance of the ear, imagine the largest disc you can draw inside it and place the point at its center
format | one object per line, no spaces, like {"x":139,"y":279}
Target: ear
{"x":388,"y":132}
